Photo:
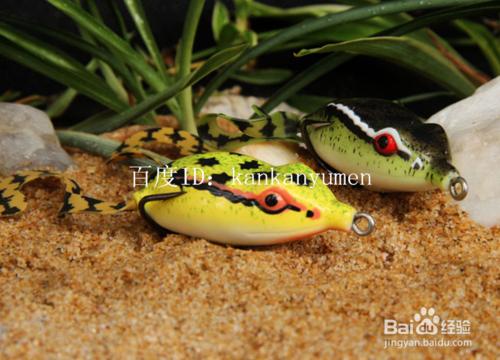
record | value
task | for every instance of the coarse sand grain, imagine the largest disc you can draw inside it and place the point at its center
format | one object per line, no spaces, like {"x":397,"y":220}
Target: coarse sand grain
{"x":94,"y":286}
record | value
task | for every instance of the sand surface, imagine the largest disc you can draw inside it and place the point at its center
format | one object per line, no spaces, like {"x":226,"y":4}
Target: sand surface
{"x":93,"y":286}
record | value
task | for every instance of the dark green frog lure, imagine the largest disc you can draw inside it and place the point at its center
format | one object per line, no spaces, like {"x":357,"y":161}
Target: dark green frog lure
{"x":386,"y":140}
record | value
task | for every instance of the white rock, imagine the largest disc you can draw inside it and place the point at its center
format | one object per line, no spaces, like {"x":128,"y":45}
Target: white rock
{"x":276,"y":153}
{"x":28,"y":140}
{"x":229,"y":102}
{"x":473,"y":128}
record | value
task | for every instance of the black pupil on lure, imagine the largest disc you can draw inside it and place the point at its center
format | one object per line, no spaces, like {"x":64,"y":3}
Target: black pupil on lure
{"x":271,"y":200}
{"x":383,"y":142}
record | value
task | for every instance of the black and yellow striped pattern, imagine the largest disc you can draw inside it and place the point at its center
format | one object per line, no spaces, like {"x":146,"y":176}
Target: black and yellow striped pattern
{"x":187,"y":143}
{"x":13,"y":201}
{"x":278,"y":125}
{"x":217,"y":132}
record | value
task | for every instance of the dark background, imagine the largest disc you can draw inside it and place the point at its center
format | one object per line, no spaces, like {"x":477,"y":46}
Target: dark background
{"x":361,"y":77}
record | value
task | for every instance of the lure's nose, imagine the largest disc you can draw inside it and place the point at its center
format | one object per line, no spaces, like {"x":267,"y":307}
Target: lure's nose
{"x":346,"y":218}
{"x":452,"y":182}
{"x":365,"y":230}
{"x":458,"y":188}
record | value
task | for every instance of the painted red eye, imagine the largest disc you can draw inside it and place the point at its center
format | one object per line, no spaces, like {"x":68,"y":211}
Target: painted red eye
{"x":271,"y":200}
{"x":385,"y":144}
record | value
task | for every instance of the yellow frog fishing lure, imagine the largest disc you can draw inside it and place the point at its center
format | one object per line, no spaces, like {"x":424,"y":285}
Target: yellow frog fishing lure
{"x":224,"y":197}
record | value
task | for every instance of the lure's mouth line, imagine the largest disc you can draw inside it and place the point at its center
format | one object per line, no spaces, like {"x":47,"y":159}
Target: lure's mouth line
{"x":458,"y":188}
{"x":357,"y":229}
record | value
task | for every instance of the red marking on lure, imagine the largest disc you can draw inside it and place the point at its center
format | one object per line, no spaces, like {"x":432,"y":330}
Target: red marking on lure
{"x":316,"y":214}
{"x":275,"y":198}
{"x":385,"y":144}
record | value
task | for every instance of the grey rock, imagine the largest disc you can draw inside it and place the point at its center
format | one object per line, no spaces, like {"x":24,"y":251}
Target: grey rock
{"x":28,"y":140}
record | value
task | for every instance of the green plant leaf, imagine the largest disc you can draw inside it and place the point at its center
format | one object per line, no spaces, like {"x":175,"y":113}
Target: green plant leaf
{"x":345,"y":32}
{"x":83,"y":45}
{"x":220,"y":17}
{"x":257,"y":9}
{"x":424,"y":96}
{"x":61,"y":36}
{"x":100,"y":93}
{"x":47,"y":59}
{"x":141,"y":22}
{"x":408,"y":53}
{"x":334,"y":60}
{"x":119,"y":19}
{"x":489,"y":44}
{"x":304,"y":78}
{"x":109,"y":75}
{"x":152,"y":102}
{"x":64,"y":100}
{"x":228,"y":35}
{"x":308,"y":103}
{"x":116,"y":45}
{"x":133,"y":82}
{"x":217,"y":61}
{"x":39,"y":48}
{"x":184,"y":55}
{"x":111,"y":40}
{"x":250,"y":37}
{"x":262,"y":76}
{"x":341,"y":32}
{"x":311,"y":25}
{"x":330,"y":62}
{"x":242,"y":11}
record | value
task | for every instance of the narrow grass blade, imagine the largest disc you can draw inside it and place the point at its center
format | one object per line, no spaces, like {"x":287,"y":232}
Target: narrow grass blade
{"x":60,"y":36}
{"x":141,"y":22}
{"x":422,"y":97}
{"x":262,"y":76}
{"x":81,"y":44}
{"x":311,"y":25}
{"x":257,"y":9}
{"x":61,"y":104}
{"x":408,"y":53}
{"x":64,"y":100}
{"x":489,"y":44}
{"x":33,"y":100}
{"x":119,"y":19}
{"x":308,"y":103}
{"x":341,"y":32}
{"x":185,"y":98}
{"x":111,"y":40}
{"x":220,"y":17}
{"x":113,"y":81}
{"x":135,"y":58}
{"x":156,"y":100}
{"x":334,"y":60}
{"x":49,"y":61}
{"x":109,"y":75}
{"x":40,"y":48}
{"x":304,"y":78}
{"x":216,"y":61}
